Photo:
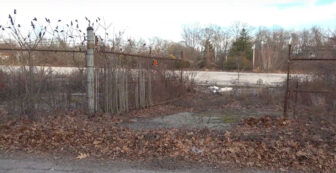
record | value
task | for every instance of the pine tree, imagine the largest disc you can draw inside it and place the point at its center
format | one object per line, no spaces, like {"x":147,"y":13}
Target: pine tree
{"x":242,"y":46}
{"x":209,"y":53}
{"x":240,"y":53}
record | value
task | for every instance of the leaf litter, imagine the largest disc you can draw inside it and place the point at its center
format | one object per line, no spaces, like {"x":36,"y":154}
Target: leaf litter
{"x":265,"y":142}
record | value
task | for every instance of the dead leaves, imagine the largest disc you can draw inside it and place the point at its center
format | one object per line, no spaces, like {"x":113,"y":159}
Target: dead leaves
{"x":266,"y":121}
{"x":82,"y":156}
{"x":270,"y":142}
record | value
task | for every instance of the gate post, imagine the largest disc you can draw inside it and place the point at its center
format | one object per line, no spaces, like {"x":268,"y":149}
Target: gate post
{"x":90,"y":69}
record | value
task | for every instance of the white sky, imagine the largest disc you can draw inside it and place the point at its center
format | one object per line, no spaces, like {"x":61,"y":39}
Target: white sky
{"x":165,"y":18}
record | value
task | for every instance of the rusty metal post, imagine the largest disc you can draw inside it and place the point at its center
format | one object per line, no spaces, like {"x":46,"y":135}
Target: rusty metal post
{"x":238,"y":69}
{"x":287,"y":82}
{"x":296,"y":97}
{"x":90,"y":69}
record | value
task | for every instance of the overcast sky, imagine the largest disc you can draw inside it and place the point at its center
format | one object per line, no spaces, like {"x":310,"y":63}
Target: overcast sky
{"x":165,"y":18}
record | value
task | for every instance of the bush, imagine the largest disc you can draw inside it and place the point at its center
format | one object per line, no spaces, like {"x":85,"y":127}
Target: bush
{"x":232,"y":63}
{"x":182,"y":64}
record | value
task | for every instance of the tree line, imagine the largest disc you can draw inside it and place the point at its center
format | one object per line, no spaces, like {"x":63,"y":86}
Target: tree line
{"x":238,"y":47}
{"x":235,"y":47}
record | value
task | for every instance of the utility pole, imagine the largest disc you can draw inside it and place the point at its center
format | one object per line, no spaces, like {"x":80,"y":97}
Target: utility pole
{"x":262,"y":54}
{"x":253,"y":58}
{"x":90,"y":69}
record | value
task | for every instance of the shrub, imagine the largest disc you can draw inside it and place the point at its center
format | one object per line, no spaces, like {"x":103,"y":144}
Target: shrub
{"x":233,"y":62}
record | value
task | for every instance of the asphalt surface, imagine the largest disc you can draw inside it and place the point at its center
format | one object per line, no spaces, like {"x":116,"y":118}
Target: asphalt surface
{"x":34,"y":165}
{"x":26,"y":163}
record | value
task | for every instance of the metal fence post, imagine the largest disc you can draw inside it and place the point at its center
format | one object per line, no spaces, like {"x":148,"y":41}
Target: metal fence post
{"x":287,"y":82}
{"x":90,"y":69}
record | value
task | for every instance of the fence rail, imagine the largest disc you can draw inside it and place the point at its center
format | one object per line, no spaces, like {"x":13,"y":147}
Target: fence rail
{"x":84,"y":51}
{"x":42,"y":50}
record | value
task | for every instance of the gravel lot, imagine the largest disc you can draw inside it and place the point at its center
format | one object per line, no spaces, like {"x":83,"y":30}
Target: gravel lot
{"x":219,"y":77}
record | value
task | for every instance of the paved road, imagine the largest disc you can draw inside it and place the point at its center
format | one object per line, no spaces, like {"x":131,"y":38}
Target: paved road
{"x":30,"y":164}
{"x":45,"y":166}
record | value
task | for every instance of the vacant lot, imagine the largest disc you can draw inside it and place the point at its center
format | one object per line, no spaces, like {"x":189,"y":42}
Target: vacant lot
{"x":211,"y":130}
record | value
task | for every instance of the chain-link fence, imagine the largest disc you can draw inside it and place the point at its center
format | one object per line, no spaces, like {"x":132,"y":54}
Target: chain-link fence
{"x":43,"y":79}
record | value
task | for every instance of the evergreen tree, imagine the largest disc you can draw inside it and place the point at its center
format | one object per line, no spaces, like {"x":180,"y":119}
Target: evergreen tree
{"x":208,"y":53}
{"x":242,"y":46}
{"x":240,"y":53}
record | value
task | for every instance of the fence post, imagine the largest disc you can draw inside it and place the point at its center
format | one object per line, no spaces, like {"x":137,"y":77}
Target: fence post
{"x":90,"y":69}
{"x":287,"y":81}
